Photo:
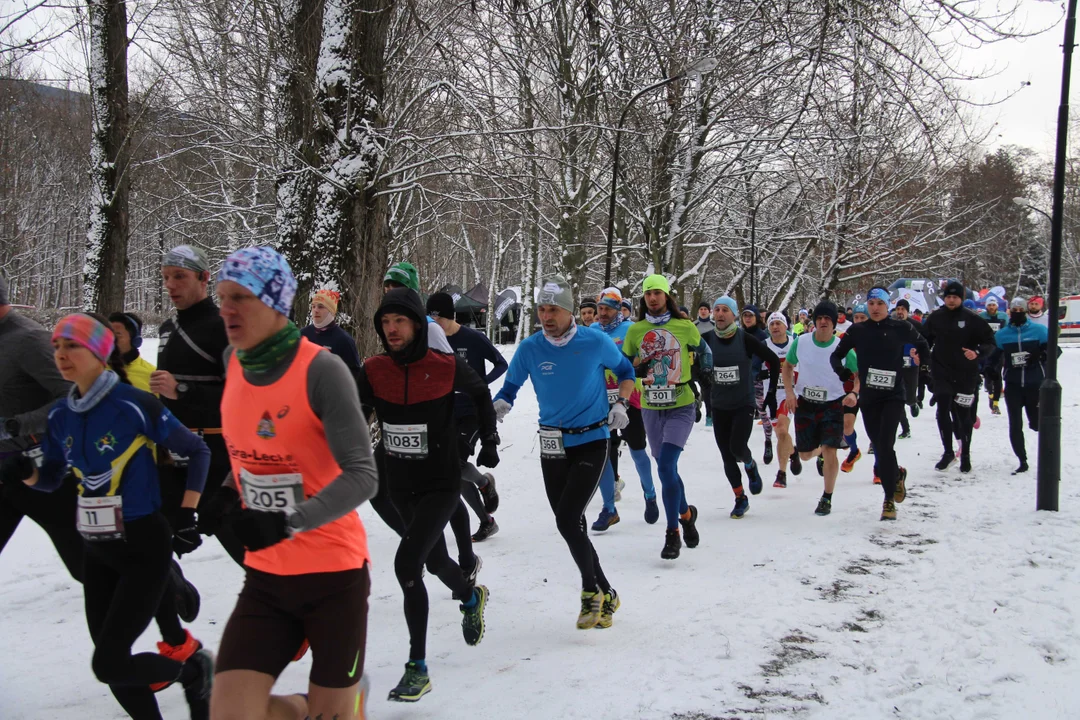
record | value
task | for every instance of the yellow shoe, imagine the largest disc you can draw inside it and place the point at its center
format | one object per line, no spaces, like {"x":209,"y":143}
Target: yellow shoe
{"x":611,"y":604}
{"x":591,"y":606}
{"x":888,"y":510}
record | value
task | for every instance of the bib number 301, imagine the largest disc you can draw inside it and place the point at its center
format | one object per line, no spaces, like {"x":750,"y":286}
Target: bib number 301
{"x":406,"y":441}
{"x":268,"y":493}
{"x":101,"y":518}
{"x":551,"y":444}
{"x":662,"y":396}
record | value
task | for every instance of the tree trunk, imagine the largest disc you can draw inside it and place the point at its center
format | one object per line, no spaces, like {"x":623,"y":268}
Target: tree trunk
{"x":105,"y":270}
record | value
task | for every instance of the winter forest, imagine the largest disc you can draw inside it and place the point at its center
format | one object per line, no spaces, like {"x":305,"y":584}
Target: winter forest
{"x":777,"y":150}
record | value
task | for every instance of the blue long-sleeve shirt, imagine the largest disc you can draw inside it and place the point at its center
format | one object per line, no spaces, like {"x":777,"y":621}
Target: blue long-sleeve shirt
{"x":108,"y":449}
{"x":569,"y":380}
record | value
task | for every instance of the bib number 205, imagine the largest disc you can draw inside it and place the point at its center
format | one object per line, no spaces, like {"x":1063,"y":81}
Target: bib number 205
{"x":272,"y":492}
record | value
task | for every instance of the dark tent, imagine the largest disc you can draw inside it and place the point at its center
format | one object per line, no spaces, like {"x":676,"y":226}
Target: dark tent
{"x":472,"y":306}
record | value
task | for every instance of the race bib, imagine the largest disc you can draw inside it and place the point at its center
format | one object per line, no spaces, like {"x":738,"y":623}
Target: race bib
{"x":612,"y":396}
{"x":816,"y":394}
{"x":272,"y":492}
{"x":406,"y":441}
{"x":101,"y":518}
{"x":662,"y":396}
{"x":909,"y":361}
{"x":726,"y":375}
{"x":965,"y":401}
{"x":1019,"y":358}
{"x":881,"y":379}
{"x":551,"y":444}
{"x":36,"y":455}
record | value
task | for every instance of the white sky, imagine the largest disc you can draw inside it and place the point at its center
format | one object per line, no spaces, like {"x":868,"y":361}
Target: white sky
{"x":1029,"y":117}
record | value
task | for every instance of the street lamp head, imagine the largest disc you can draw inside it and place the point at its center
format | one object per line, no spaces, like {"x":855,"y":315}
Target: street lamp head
{"x":701,"y":66}
{"x":1022,"y":201}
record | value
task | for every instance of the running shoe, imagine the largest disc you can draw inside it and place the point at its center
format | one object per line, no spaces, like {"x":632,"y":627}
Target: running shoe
{"x":796,"y":463}
{"x":870,"y":450}
{"x":652,"y":510}
{"x":888,"y":510}
{"x":756,"y":483}
{"x":485,"y":530}
{"x":900,"y":494}
{"x":472,"y":618}
{"x":470,"y":578}
{"x":781,"y":479}
{"x":742,"y":504}
{"x":708,"y":421}
{"x":197,"y":690}
{"x":619,"y":485}
{"x":994,"y":409}
{"x":877,"y":480}
{"x":607,"y":610}
{"x":605,"y":520}
{"x":915,"y":409}
{"x":187,"y":596}
{"x":689,"y":526}
{"x":490,"y":494}
{"x":905,"y":435}
{"x":965,"y":463}
{"x":1022,"y":469}
{"x":821,"y":466}
{"x":413,"y":685}
{"x":672,"y":545}
{"x":768,"y":456}
{"x":824,"y":506}
{"x":179,"y":653}
{"x":947,"y":459}
{"x":592,"y":604}
{"x":849,"y":463}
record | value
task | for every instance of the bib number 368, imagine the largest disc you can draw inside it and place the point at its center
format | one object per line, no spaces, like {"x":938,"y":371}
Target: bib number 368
{"x":551,"y":444}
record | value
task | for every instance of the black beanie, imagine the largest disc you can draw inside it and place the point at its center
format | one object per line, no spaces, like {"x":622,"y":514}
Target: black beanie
{"x":130,"y":321}
{"x":827,"y":308}
{"x":904,"y":304}
{"x":441,"y":305}
{"x":705,"y":305}
{"x":955,"y":287}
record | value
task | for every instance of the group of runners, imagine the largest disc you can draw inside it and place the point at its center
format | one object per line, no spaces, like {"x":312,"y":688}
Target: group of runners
{"x":244,"y":432}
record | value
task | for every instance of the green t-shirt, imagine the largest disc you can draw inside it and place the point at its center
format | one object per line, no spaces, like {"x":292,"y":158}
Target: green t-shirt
{"x":667,"y":349}
{"x":793,"y":358}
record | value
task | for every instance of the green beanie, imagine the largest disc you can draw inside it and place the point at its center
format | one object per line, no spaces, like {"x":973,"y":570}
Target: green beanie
{"x":405,"y":274}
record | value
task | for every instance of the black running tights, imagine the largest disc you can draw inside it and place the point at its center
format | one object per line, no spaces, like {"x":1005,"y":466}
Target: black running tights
{"x":570,"y":483}
{"x":731,"y":430}
{"x":1017,"y":401}
{"x":54,"y":512}
{"x":880,"y":420}
{"x":426,"y":515}
{"x":952,"y":419}
{"x":123,"y":585}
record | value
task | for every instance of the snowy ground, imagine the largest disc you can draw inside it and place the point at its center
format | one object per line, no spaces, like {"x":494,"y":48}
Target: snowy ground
{"x":963,"y":608}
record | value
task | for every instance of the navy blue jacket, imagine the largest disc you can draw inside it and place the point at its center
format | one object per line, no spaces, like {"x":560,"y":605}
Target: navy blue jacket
{"x":337,"y":341}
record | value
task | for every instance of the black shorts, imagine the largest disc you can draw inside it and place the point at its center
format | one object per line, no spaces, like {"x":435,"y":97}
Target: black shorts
{"x":468,"y":428}
{"x":818,"y":424}
{"x":276,"y":613}
{"x":634,"y":433}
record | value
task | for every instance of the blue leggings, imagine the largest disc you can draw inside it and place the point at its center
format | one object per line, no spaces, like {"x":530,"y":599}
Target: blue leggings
{"x":607,"y":487}
{"x":644,"y":468}
{"x":671,"y":484}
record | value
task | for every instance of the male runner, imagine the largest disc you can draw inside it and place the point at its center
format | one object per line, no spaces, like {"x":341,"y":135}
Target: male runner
{"x":779,"y":341}
{"x":704,"y":325}
{"x":993,"y":365}
{"x":1023,"y":347}
{"x":587,"y":312}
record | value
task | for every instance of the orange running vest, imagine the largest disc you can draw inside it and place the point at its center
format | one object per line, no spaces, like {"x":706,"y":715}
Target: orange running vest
{"x":272,"y":430}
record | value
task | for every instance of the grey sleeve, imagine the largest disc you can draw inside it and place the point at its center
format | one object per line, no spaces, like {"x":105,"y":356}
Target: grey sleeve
{"x":35,"y":358}
{"x":333,"y":398}
{"x":436,"y":339}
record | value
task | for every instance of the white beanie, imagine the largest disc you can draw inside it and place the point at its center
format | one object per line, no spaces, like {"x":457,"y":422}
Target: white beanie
{"x":777,"y":316}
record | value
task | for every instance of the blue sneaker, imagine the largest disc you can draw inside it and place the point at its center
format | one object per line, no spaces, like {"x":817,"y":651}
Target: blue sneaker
{"x":652,"y":512}
{"x":742,"y":504}
{"x":755,"y":479}
{"x":708,"y":422}
{"x":606,"y":520}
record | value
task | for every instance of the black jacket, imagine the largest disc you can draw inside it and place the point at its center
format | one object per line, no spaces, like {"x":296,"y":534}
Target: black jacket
{"x":412,"y":391}
{"x":879,"y":346}
{"x":197,"y":362}
{"x":949,"y":333}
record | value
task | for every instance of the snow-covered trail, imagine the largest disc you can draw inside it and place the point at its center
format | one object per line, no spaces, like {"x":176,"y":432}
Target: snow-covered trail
{"x":963,"y":608}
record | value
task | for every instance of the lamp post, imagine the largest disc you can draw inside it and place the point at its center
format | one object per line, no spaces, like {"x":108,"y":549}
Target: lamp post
{"x":1049,"y":470}
{"x":700,"y":66}
{"x":1024,"y":202}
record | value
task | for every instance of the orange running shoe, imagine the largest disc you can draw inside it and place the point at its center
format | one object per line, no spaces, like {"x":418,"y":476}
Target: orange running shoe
{"x":302,"y":651}
{"x":179,"y":653}
{"x":849,"y":464}
{"x":877,"y":480}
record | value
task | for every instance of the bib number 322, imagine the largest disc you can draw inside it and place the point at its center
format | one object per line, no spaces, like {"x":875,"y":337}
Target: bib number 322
{"x":881,"y":379}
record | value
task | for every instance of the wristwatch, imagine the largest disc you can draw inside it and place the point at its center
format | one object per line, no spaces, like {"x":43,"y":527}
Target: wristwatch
{"x":625,"y":402}
{"x":182,"y":388}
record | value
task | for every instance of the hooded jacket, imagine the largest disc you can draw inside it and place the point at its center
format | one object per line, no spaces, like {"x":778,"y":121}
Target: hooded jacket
{"x":1023,"y":350}
{"x":412,"y":391}
{"x":949,"y":333}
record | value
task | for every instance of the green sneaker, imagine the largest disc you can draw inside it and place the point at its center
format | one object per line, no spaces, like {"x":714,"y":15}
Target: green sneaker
{"x":414,"y":684}
{"x":610,"y":605}
{"x":591,"y":606}
{"x":472,"y":619}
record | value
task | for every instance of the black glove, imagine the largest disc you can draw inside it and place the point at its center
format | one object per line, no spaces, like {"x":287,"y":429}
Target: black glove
{"x":217,"y":510}
{"x":488,"y":455}
{"x":764,"y":374}
{"x":258,"y":529}
{"x":642,"y":370}
{"x":770,"y":402}
{"x":846,"y":375}
{"x":186,"y":533}
{"x":697,"y":410}
{"x":16,"y":468}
